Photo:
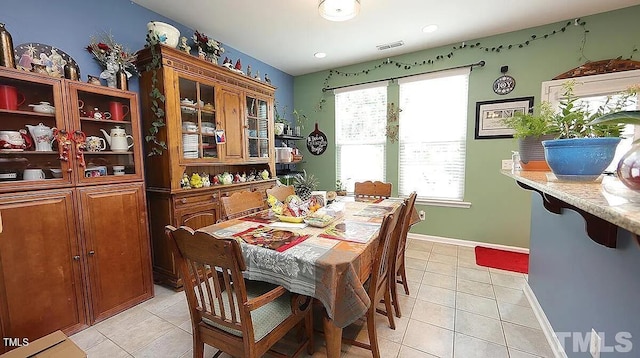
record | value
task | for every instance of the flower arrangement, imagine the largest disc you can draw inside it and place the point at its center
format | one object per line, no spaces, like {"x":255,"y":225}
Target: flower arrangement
{"x":108,"y":52}
{"x":210,"y":47}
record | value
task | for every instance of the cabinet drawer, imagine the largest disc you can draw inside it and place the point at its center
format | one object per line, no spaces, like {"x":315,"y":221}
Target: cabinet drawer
{"x":200,"y":198}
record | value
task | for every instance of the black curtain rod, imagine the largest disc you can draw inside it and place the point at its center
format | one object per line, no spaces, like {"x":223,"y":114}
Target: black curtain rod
{"x":480,"y":64}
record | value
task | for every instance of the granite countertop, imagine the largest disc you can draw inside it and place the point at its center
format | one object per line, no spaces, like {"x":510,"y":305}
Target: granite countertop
{"x":606,"y":198}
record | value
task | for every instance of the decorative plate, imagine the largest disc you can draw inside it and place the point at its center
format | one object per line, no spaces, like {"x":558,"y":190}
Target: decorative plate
{"x":51,"y":58}
{"x":504,"y":84}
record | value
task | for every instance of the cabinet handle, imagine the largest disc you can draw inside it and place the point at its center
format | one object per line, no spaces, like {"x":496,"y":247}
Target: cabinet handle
{"x":76,"y":257}
{"x":91,"y":253}
{"x":183,"y":200}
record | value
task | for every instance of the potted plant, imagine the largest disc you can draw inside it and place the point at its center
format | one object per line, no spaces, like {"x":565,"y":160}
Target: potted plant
{"x":629,"y":165}
{"x":530,"y":130}
{"x":584,"y":147}
{"x":280,"y":121}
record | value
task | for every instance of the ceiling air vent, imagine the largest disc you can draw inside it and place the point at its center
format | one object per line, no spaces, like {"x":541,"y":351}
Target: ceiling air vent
{"x":390,"y":45}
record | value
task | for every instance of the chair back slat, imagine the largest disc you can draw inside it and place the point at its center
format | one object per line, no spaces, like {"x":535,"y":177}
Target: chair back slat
{"x":242,"y":203}
{"x":281,"y":192}
{"x":403,"y":230}
{"x":371,"y":189}
{"x":219,"y":298}
{"x":381,"y":264}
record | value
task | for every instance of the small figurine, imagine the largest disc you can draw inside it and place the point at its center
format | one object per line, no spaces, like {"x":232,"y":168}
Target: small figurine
{"x":236,"y":178}
{"x":249,"y":71}
{"x":227,"y":63}
{"x":216,"y":180}
{"x":267,"y":79}
{"x":238,"y":65}
{"x":257,"y":76}
{"x":201,"y":54}
{"x":243,"y":178}
{"x":196,"y":181}
{"x":94,"y":80}
{"x":205,"y":180}
{"x":184,"y":47}
{"x":184,"y":183}
{"x":226,"y":178}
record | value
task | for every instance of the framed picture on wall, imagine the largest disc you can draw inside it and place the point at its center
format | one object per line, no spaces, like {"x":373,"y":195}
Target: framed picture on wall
{"x":489,"y":116}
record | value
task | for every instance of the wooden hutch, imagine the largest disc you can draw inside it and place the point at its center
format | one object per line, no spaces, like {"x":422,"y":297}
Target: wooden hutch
{"x":204,"y":102}
{"x":74,"y":243}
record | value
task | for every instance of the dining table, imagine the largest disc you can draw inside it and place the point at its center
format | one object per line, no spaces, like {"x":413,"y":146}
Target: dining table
{"x":328,"y":263}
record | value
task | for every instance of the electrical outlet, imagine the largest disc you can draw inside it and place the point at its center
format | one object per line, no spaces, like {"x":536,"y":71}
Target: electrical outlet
{"x":595,"y":344}
{"x":422,"y":215}
{"x":507,"y":164}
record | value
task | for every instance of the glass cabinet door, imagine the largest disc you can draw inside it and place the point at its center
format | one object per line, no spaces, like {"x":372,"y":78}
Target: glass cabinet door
{"x":31,"y":112}
{"x":258,"y":115}
{"x":106,"y":121}
{"x":199,"y":125}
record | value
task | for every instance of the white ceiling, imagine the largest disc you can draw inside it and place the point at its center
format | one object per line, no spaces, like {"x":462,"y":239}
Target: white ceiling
{"x":286,"y":33}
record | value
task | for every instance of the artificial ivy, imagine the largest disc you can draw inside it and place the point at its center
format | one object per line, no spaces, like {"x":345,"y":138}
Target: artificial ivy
{"x":157,"y":98}
{"x":463,"y":46}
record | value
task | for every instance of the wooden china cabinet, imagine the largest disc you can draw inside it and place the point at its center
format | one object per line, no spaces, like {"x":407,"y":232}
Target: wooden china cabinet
{"x":74,"y":245}
{"x":203,"y":103}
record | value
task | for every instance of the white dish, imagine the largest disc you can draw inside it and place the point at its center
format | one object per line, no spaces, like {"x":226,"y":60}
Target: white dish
{"x":189,"y":110}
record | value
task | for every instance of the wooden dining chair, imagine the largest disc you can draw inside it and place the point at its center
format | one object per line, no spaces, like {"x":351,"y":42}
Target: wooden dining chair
{"x":369,"y":189}
{"x":242,"y":203}
{"x":378,"y":283}
{"x":238,"y":317}
{"x":281,"y":192}
{"x":400,"y":239}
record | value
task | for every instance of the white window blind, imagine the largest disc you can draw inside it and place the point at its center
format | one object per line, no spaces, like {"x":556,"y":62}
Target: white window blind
{"x":361,"y":118}
{"x":433,"y":130}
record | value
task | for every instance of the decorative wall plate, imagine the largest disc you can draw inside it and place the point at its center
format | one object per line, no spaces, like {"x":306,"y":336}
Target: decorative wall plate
{"x":51,"y":58}
{"x":504,"y":84}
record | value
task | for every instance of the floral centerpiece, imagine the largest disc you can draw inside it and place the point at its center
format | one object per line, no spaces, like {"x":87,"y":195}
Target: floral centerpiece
{"x":208,"y":47}
{"x":112,"y":56}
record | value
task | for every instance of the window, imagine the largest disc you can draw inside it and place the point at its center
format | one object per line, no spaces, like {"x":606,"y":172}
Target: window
{"x":433,"y":131}
{"x":361,"y":119}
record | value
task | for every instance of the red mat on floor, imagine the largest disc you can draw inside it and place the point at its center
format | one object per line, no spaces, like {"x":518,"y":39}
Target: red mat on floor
{"x":503,"y":260}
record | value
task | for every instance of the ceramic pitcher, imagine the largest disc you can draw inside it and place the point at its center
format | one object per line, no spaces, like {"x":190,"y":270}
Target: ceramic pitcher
{"x":42,"y":137}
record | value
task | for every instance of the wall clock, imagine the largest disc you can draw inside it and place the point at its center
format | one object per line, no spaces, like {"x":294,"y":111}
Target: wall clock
{"x":505,"y":83}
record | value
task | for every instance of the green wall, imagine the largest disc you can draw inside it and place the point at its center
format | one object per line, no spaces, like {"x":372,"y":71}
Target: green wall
{"x":500,"y":211}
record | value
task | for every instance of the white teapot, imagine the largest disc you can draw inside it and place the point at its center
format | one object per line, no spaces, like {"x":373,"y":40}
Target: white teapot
{"x":118,"y":139}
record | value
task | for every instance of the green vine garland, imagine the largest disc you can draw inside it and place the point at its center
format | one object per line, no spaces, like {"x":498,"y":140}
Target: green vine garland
{"x":464,"y":46}
{"x":157,"y":98}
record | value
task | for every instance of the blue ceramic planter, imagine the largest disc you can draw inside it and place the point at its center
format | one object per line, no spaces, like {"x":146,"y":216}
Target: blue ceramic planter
{"x":579,"y":159}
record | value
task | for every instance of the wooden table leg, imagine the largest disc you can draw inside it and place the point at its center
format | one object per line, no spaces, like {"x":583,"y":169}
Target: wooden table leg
{"x":333,"y":337}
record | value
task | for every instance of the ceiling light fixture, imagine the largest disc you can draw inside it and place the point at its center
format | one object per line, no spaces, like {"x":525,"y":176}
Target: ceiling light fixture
{"x":339,"y":10}
{"x":319,"y":55}
{"x":429,"y":28}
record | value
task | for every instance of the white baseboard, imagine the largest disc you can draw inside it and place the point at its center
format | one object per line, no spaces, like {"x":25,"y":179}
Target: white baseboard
{"x":549,"y":333}
{"x":446,"y":240}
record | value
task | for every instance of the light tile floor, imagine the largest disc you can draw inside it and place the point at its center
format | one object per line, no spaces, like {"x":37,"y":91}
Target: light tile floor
{"x":455,"y":309}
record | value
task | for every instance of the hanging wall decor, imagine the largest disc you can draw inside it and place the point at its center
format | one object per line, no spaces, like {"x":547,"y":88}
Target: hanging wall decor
{"x":393,"y":127}
{"x":505,"y":83}
{"x":317,"y":141}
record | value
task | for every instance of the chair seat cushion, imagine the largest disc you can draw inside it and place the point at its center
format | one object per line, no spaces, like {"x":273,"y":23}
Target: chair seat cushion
{"x":266,"y":318}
